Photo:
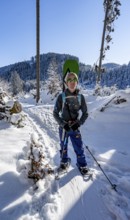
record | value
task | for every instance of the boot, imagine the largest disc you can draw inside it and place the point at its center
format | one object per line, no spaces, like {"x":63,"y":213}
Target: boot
{"x":65,"y":165}
{"x":84,"y":170}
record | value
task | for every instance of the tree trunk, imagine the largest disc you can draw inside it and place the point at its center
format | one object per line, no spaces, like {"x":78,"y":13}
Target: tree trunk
{"x":38,"y":49}
{"x":102,"y":46}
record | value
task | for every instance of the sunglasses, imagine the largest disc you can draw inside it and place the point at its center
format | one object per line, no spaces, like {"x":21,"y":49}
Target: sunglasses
{"x":72,"y":80}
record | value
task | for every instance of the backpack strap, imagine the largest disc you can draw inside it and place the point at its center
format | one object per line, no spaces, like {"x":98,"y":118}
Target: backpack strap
{"x":79,"y":99}
{"x":64,"y":99}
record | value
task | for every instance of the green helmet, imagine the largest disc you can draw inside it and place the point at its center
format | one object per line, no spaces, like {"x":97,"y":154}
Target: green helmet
{"x":70,"y":66}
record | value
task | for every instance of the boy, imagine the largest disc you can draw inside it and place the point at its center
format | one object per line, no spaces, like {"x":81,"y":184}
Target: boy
{"x":66,"y":113}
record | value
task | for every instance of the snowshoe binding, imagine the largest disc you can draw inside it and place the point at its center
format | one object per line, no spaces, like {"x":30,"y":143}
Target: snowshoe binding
{"x":63,"y":168}
{"x":85,"y":172}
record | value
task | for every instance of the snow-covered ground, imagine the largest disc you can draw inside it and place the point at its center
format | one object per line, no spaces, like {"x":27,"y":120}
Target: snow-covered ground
{"x":107,"y":134}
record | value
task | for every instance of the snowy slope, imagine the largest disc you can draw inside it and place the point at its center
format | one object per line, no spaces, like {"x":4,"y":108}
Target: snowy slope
{"x":107,"y":135}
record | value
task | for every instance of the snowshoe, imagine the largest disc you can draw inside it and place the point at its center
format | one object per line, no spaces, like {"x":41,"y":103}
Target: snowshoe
{"x":85,"y":172}
{"x":63,"y":168}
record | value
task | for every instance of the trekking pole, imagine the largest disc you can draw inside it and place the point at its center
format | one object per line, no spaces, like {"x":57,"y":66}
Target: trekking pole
{"x":113,"y":185}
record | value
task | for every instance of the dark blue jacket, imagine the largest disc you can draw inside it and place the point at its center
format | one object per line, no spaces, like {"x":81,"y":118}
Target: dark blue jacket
{"x":69,"y":111}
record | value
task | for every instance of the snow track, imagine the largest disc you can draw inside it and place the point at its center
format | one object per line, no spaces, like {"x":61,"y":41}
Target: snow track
{"x":107,"y":135}
{"x":70,"y":190}
{"x":45,"y":201}
{"x":46,"y":136}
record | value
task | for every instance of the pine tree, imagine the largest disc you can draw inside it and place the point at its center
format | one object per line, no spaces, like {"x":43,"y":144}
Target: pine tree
{"x":112,"y":12}
{"x":16,"y":83}
{"x":54,"y":84}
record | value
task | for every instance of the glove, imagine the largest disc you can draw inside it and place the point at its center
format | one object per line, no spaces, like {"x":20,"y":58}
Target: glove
{"x":75,"y":126}
{"x":66,"y":127}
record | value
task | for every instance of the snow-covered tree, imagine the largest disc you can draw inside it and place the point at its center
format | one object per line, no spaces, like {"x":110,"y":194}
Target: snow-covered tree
{"x":4,"y":86}
{"x":112,"y":12}
{"x":54,"y":82}
{"x":16,"y":83}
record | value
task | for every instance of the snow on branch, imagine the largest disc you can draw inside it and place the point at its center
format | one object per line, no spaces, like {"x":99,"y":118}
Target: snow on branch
{"x":113,"y":13}
{"x":35,"y":165}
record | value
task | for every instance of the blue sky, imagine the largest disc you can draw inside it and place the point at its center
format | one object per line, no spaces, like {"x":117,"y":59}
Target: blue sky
{"x":67,"y":26}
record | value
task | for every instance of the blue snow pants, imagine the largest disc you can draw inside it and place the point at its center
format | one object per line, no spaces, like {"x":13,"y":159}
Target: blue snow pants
{"x":76,"y":140}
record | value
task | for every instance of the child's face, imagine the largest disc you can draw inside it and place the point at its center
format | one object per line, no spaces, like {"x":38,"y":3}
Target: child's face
{"x":72,"y":82}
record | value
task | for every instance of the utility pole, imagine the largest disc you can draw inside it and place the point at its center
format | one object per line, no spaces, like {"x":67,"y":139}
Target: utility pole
{"x":38,"y":49}
{"x":102,"y":45}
